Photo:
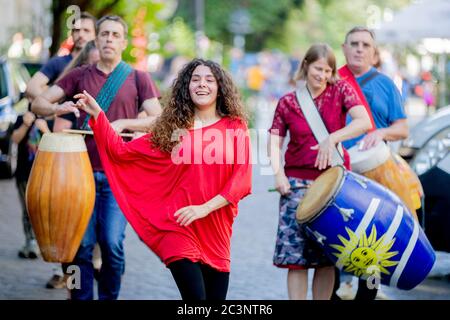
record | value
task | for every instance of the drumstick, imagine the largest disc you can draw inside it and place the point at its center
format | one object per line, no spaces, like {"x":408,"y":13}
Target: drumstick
{"x":292,"y":188}
{"x":128,"y":135}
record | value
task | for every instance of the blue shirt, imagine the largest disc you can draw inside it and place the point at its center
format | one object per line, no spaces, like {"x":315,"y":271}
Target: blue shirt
{"x":384,"y":100}
{"x":55,"y":66}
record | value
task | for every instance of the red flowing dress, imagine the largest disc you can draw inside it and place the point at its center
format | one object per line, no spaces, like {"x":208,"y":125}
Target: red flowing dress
{"x":150,"y":186}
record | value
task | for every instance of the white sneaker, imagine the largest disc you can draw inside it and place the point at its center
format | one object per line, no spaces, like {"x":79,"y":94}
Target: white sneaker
{"x":346,"y":291}
{"x":34,"y":247}
{"x":381,"y":295}
{"x":30,"y":250}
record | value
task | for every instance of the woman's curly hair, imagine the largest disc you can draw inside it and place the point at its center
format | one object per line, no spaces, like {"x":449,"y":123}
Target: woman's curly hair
{"x":178,"y":114}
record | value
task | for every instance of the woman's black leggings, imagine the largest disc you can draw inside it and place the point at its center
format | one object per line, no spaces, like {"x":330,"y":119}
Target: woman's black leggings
{"x":197,"y":281}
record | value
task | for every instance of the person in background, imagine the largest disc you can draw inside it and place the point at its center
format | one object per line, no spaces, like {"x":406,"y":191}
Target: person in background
{"x":83,"y":31}
{"x":26,"y":134}
{"x":88,"y":55}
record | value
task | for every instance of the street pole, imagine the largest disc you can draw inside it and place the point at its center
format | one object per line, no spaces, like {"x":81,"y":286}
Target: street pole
{"x":199,"y":25}
{"x":239,"y":25}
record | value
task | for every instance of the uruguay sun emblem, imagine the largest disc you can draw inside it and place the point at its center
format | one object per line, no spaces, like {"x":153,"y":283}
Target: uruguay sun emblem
{"x":364,"y":256}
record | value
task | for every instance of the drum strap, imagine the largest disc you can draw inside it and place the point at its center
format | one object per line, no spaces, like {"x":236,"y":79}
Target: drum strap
{"x":111,"y":87}
{"x":368,"y":78}
{"x":315,"y":122}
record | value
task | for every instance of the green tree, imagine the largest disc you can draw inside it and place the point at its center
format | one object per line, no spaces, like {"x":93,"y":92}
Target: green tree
{"x":99,"y":8}
{"x":178,"y":37}
{"x":59,"y":15}
{"x":266,"y":18}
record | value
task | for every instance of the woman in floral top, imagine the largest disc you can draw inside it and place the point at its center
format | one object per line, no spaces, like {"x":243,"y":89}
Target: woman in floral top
{"x":305,"y":160}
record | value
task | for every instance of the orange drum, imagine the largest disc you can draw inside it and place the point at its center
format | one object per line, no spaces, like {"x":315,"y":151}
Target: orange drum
{"x":379,"y":164}
{"x":60,"y":195}
{"x":411,"y":178}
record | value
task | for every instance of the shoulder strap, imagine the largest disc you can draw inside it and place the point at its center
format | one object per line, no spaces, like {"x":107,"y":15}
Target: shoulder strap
{"x":111,"y":87}
{"x":368,"y":78}
{"x":136,"y":81}
{"x":315,"y":122}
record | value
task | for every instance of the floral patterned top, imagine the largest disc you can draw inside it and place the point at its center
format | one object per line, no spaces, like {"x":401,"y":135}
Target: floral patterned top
{"x":333,"y":104}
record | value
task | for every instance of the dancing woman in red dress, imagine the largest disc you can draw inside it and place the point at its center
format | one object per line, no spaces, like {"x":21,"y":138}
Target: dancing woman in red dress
{"x":179,"y":185}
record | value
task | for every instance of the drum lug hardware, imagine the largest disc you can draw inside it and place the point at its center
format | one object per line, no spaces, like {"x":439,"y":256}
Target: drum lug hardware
{"x":346,"y":213}
{"x":361,"y":181}
{"x":320,"y":237}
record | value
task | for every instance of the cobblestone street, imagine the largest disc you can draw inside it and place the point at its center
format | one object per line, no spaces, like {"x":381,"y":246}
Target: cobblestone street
{"x":252,"y":277}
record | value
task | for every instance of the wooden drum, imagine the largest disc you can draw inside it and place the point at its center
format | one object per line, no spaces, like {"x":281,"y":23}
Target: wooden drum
{"x":60,"y":195}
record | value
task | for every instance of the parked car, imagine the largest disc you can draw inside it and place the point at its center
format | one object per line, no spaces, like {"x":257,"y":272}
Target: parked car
{"x":428,"y":151}
{"x":13,"y":80}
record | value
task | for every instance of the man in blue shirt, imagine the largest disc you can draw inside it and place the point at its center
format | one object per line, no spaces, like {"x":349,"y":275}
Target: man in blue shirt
{"x":380,"y":91}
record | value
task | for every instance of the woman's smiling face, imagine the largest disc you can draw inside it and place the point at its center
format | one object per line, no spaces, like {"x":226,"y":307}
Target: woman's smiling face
{"x":318,"y":74}
{"x":203,"y":87}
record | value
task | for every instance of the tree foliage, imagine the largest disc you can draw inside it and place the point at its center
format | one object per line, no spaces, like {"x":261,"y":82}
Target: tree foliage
{"x":328,"y":21}
{"x":59,"y":14}
{"x":287,"y":25}
{"x":99,"y":8}
{"x":266,"y":18}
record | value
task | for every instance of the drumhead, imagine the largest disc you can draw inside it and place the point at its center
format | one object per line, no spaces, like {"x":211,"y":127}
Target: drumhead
{"x":363,"y":161}
{"x":319,"y":194}
{"x":62,"y":142}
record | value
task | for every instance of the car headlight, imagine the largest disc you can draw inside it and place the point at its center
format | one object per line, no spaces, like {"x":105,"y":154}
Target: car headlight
{"x":432,"y":152}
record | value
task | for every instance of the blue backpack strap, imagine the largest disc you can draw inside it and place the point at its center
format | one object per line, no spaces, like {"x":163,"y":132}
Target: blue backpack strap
{"x":111,"y":87}
{"x":368,"y":78}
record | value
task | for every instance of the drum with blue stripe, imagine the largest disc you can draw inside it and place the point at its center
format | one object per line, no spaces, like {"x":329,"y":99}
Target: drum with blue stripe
{"x":365,"y":229}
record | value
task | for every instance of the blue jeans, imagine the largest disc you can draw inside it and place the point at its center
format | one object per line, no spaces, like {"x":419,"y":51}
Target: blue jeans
{"x":107,"y":227}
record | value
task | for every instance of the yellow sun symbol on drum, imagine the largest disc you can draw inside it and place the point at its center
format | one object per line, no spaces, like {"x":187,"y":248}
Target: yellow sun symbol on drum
{"x":360,"y":253}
